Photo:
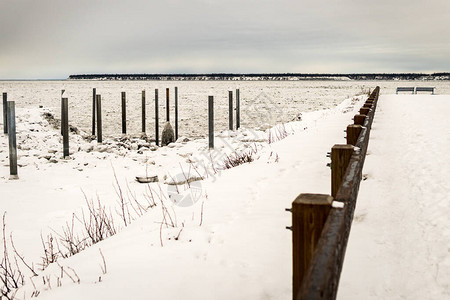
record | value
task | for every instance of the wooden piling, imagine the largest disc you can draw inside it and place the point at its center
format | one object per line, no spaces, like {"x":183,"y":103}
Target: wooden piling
{"x":167,"y":106}
{"x":143,"y":111}
{"x":359,"y":119}
{"x":99,"y":118}
{"x":156,"y":118}
{"x":94,"y":92}
{"x":176,"y":113}
{"x":340,"y":157}
{"x":230,"y":110}
{"x":62,"y":113}
{"x":211,"y":121}
{"x":238,"y":110}
{"x":11,"y":112}
{"x":124,"y":113}
{"x":309,"y":214}
{"x":65,"y":126}
{"x":5,"y":113}
{"x":353,"y":132}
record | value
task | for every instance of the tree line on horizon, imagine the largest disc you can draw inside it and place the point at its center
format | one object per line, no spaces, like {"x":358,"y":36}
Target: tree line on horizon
{"x":262,"y":76}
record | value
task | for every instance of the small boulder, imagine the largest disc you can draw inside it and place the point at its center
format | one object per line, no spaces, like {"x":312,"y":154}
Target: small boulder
{"x":168,"y":135}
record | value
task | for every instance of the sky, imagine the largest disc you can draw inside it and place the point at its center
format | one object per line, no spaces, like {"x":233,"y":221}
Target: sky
{"x":52,"y":39}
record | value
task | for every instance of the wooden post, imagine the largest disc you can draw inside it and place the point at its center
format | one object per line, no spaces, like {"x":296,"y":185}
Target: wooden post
{"x":359,"y":119}
{"x":11,"y":111}
{"x":340,"y":157}
{"x":124,"y":113}
{"x":238,"y":110}
{"x":143,"y":111}
{"x":65,"y":126}
{"x":176,"y":113}
{"x":5,"y":113}
{"x":309,"y":214}
{"x":364,"y":111}
{"x":99,"y":118}
{"x":167,"y":105}
{"x":156,"y":118}
{"x":368,"y":105}
{"x":230,"y":110}
{"x":94,"y":92}
{"x":353,"y":132}
{"x":62,"y":113}
{"x":211,"y":121}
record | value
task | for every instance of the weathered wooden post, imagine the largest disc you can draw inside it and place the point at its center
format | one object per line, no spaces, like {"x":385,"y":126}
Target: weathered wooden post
{"x":211,"y":121}
{"x":5,"y":113}
{"x":364,"y":111}
{"x":176,"y":113}
{"x":368,"y":105}
{"x":340,"y":157}
{"x":359,"y":119}
{"x":156,"y":118}
{"x":230,"y":110}
{"x":353,"y":132}
{"x":99,"y":118}
{"x":94,"y":92}
{"x":238,"y":110}
{"x":143,"y":111}
{"x":167,"y":105}
{"x":62,"y":113}
{"x":11,"y":111}
{"x":309,"y":214}
{"x":65,"y":126}
{"x":124,"y":113}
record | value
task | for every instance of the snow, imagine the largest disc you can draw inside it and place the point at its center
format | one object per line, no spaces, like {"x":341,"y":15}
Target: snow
{"x":231,"y":242}
{"x":399,"y":245}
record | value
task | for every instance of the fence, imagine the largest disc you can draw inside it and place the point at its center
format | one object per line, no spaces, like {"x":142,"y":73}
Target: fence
{"x":320,"y":230}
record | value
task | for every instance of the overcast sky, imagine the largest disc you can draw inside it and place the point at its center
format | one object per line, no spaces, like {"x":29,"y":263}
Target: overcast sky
{"x":42,"y":39}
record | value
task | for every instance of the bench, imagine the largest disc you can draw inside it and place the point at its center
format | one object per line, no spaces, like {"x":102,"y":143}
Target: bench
{"x":425,"y":89}
{"x":405,"y":89}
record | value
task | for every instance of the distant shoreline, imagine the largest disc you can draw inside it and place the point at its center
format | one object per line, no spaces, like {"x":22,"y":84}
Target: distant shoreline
{"x":263,"y":77}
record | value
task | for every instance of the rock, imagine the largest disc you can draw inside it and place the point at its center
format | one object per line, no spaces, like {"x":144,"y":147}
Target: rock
{"x":168,"y":135}
{"x":183,"y":139}
{"x":147,"y":179}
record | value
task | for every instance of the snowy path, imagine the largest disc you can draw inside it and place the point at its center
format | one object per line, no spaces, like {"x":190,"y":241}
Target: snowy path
{"x":399,"y":246}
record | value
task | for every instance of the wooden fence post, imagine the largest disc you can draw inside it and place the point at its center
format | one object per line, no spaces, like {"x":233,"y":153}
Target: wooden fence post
{"x":230,"y":110}
{"x":62,"y":113}
{"x":359,"y":119}
{"x":364,"y":111}
{"x":65,"y":126}
{"x":94,"y":92}
{"x":156,"y":118}
{"x":143,"y":111}
{"x":99,"y":118}
{"x":11,"y":111}
{"x":176,"y":113}
{"x":5,"y":113}
{"x":124,"y":113}
{"x":211,"y":121}
{"x":340,"y":157}
{"x":167,"y":106}
{"x":238,"y":110}
{"x":353,"y":132}
{"x":309,"y":214}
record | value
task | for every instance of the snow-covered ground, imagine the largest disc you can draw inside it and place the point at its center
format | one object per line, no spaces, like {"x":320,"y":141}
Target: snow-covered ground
{"x":399,"y":246}
{"x":229,"y":242}
{"x":224,"y":237}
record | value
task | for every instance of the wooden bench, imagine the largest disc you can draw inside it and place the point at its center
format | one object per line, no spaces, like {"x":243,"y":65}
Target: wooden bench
{"x":405,"y":89}
{"x":425,"y":89}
